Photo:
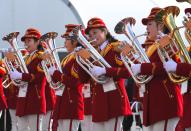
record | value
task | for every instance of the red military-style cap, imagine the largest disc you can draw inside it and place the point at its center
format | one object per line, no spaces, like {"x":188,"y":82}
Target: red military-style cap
{"x":152,"y":15}
{"x":70,"y":28}
{"x":31,"y":33}
{"x":94,"y":23}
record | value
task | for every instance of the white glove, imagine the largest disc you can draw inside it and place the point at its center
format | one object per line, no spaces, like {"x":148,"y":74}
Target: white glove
{"x":51,"y":70}
{"x":14,"y":75}
{"x":170,"y":66}
{"x":136,"y":69}
{"x":98,"y":71}
{"x":77,"y":48}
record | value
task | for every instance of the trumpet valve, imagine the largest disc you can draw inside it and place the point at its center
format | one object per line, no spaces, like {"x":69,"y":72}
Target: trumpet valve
{"x":127,"y":49}
{"x":10,"y":56}
{"x":46,"y":56}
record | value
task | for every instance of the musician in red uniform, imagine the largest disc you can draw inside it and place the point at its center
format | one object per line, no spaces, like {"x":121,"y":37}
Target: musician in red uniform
{"x":109,"y":101}
{"x":31,"y":103}
{"x":183,"y":69}
{"x":162,"y":102}
{"x":3,"y":103}
{"x":69,"y":108}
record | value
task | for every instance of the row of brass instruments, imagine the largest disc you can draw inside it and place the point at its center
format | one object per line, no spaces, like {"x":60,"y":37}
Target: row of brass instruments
{"x":131,"y":52}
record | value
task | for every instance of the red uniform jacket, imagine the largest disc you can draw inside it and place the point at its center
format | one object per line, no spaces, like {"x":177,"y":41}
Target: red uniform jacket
{"x":111,"y":104}
{"x":184,"y":69}
{"x":3,"y":103}
{"x":87,"y":100}
{"x":70,"y":105}
{"x":162,"y":98}
{"x":11,"y":94}
{"x":34,"y":102}
{"x":50,"y":97}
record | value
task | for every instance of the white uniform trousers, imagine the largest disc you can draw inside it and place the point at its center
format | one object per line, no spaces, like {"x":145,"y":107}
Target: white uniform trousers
{"x":14,"y":120}
{"x":30,"y":123}
{"x":114,"y":124}
{"x":188,"y":129}
{"x":87,"y":124}
{"x":68,"y":125}
{"x":161,"y":125}
{"x":46,"y":121}
{"x":1,"y":113}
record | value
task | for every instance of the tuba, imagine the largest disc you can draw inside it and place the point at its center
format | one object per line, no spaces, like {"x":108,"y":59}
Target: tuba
{"x":90,"y":57}
{"x":134,"y":53}
{"x":50,"y":58}
{"x":176,"y":45}
{"x":14,"y":59}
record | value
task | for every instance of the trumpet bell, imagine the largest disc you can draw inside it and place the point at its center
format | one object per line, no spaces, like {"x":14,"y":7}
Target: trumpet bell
{"x":10,"y":36}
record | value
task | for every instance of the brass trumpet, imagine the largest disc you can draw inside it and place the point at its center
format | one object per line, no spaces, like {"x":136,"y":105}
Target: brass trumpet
{"x":50,"y":58}
{"x":134,"y":53}
{"x":14,"y":59}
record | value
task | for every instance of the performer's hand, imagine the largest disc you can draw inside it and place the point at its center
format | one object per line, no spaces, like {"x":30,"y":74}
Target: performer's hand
{"x":14,"y":75}
{"x":136,"y":69}
{"x":170,"y":66}
{"x":51,"y":70}
{"x":98,"y":71}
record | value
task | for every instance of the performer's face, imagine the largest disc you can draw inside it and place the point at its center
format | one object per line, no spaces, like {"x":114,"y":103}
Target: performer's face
{"x":152,"y":30}
{"x":70,"y":45}
{"x":30,"y":44}
{"x":99,"y":35}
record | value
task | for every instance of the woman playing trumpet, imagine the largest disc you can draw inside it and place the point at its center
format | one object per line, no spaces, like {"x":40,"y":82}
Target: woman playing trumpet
{"x":69,"y":108}
{"x":109,"y":100}
{"x":162,"y":101}
{"x":31,"y":98}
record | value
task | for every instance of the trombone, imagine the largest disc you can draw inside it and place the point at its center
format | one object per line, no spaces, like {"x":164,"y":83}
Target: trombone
{"x":134,"y":53}
{"x":14,"y":59}
{"x":50,"y":58}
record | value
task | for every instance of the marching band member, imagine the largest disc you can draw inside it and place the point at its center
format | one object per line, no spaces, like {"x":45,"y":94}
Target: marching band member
{"x":162,"y":101}
{"x":3,"y":103}
{"x":109,"y":101}
{"x":69,"y":108}
{"x":183,"y":69}
{"x":31,"y":103}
